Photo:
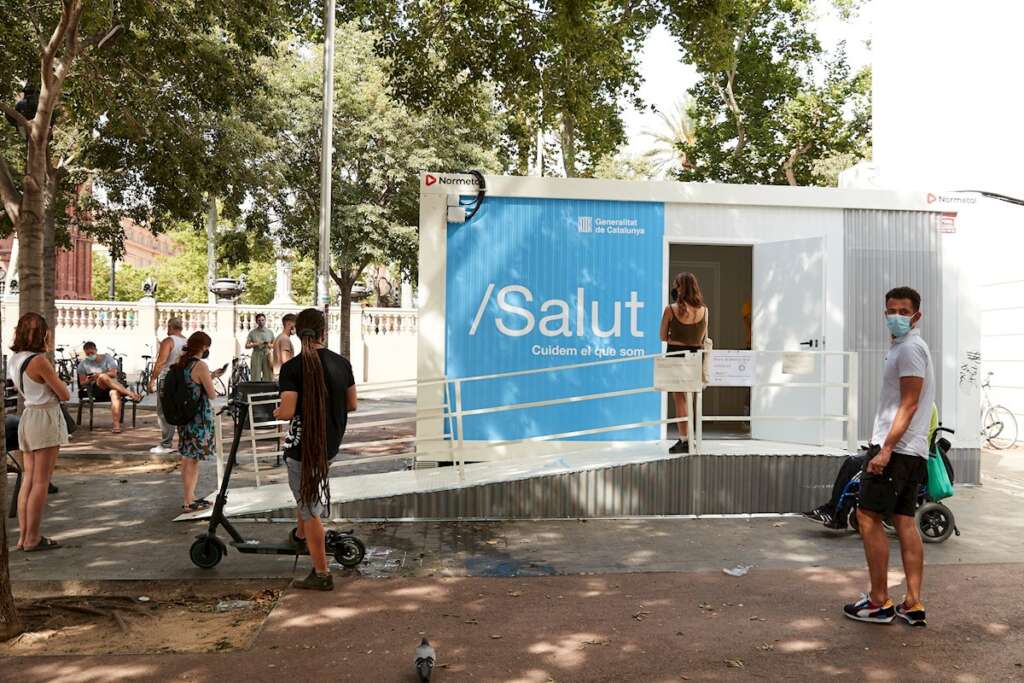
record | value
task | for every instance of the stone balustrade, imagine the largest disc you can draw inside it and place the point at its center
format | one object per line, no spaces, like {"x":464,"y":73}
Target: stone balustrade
{"x":383,"y":321}
{"x":383,"y":340}
{"x":97,"y":315}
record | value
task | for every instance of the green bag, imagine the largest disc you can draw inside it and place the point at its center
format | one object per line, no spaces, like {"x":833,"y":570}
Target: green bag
{"x":939,"y":485}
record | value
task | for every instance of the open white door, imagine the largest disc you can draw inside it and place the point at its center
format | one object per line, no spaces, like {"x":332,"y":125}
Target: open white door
{"x":788,"y":315}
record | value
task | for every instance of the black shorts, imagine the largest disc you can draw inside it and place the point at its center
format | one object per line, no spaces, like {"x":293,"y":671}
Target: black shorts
{"x":895,"y":491}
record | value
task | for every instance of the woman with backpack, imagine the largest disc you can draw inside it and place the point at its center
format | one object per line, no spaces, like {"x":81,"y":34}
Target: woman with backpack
{"x":317,"y":392}
{"x":42,"y":429}
{"x":195,"y":437}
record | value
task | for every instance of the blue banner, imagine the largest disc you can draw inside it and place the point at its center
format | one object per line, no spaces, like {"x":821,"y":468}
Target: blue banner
{"x":538,"y":283}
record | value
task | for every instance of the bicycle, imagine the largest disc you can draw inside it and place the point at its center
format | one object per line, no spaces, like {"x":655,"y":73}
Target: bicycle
{"x":998,"y":423}
{"x":142,"y":386}
{"x":66,"y":365}
{"x":239,"y":374}
{"x":122,"y":377}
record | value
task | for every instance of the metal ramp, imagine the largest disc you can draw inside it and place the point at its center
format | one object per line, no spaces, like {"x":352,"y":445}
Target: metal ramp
{"x":622,"y":480}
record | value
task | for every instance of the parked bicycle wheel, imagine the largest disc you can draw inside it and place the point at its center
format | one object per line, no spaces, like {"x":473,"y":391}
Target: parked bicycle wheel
{"x":218,"y":385}
{"x":999,"y":427}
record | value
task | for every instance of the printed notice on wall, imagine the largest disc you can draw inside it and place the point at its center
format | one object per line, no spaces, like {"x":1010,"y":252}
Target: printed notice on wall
{"x":798,"y":363}
{"x":732,"y":369}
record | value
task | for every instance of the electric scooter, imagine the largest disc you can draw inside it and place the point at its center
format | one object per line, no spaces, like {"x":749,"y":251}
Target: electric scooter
{"x":208,"y":550}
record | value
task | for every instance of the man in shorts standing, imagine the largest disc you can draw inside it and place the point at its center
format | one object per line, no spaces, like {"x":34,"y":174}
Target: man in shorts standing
{"x":898,"y":464}
{"x":283,"y":350}
{"x":318,"y":391}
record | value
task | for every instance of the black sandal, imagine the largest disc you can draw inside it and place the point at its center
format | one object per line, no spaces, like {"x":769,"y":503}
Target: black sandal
{"x":196,"y":506}
{"x":44,"y":544}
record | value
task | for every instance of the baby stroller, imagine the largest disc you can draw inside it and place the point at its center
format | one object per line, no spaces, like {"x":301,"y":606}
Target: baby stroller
{"x":935,"y":521}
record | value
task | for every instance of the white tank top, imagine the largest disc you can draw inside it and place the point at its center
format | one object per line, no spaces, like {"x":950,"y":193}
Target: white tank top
{"x":177,"y":346}
{"x":36,"y":393}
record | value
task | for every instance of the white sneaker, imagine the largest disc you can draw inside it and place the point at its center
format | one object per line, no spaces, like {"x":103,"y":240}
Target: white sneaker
{"x":160,"y":450}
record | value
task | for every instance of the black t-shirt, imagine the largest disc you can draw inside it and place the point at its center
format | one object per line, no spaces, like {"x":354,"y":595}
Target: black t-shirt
{"x":338,"y":378}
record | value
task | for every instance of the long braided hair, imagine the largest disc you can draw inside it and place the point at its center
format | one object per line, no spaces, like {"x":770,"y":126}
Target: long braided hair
{"x":314,"y":487}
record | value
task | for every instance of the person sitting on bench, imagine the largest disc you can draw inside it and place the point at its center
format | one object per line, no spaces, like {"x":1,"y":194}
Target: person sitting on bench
{"x":97,"y":375}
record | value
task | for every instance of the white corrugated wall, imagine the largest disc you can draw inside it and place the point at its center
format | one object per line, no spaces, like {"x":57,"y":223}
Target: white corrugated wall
{"x":1000,"y":279}
{"x":886,"y":249}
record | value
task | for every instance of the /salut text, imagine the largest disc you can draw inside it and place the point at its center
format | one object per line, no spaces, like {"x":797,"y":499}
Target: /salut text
{"x":517,"y":317}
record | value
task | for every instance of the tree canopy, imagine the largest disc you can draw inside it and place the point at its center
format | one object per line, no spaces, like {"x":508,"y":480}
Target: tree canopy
{"x":771,"y":105}
{"x":381,"y":145}
{"x":559,"y":67}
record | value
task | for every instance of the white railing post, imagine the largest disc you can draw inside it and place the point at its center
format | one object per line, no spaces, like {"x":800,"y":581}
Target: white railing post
{"x":697,"y":426}
{"x":218,"y":440}
{"x":852,"y":403}
{"x":458,"y":423}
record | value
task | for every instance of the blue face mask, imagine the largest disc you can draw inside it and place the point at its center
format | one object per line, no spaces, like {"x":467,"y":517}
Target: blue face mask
{"x":899,"y":325}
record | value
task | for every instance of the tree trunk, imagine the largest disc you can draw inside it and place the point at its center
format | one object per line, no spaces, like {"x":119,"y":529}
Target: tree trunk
{"x":50,"y":253}
{"x":30,"y":227}
{"x":10,"y":622}
{"x":790,"y":162}
{"x":345,"y":281}
{"x":568,"y":136}
{"x":346,"y":320}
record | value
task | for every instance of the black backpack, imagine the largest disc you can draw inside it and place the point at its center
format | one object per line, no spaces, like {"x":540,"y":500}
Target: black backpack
{"x":178,"y":405}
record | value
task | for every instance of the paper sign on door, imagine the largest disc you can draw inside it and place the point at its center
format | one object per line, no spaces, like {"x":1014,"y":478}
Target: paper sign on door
{"x":798,"y":363}
{"x":732,"y":369}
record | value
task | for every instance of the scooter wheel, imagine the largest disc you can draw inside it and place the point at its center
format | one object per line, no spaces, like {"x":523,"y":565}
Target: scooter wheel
{"x":206,"y":552}
{"x":349,"y":551}
{"x":935,"y":521}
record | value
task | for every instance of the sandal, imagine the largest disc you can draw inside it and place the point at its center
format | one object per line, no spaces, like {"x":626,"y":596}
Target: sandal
{"x":44,"y":544}
{"x":115,"y":430}
{"x":196,"y":505}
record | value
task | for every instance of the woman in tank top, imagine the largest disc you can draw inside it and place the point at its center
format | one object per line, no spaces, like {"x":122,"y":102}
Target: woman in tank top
{"x":42,"y":429}
{"x":684,"y":327}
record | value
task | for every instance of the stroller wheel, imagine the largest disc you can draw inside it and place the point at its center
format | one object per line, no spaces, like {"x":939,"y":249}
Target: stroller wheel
{"x":935,"y":521}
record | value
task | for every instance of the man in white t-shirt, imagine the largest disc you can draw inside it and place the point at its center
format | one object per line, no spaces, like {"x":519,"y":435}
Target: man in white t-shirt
{"x":898,"y":464}
{"x":167,"y":355}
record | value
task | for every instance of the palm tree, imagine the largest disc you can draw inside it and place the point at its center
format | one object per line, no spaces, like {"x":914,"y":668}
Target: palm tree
{"x":670,"y":140}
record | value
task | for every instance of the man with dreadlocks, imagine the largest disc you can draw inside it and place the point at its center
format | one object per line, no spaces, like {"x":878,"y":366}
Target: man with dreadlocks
{"x":317,"y":392}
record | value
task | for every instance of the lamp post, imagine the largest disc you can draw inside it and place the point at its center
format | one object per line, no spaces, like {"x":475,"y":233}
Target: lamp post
{"x":323,"y":280}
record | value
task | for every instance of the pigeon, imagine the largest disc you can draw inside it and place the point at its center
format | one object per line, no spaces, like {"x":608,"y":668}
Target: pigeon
{"x":424,"y":660}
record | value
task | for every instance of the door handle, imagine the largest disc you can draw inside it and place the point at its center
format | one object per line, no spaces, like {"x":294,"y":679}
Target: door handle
{"x":810,"y":343}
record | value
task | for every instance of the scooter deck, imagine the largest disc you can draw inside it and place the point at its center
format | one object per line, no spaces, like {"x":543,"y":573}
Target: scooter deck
{"x":259,"y":548}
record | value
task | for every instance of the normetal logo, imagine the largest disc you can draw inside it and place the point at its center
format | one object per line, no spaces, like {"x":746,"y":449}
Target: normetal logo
{"x":951,"y":199}
{"x":431,"y":179}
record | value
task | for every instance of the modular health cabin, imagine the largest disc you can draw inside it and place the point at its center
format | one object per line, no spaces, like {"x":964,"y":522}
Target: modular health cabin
{"x":540,"y":301}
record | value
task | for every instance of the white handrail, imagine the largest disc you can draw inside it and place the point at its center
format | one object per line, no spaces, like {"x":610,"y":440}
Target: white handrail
{"x":454,"y":414}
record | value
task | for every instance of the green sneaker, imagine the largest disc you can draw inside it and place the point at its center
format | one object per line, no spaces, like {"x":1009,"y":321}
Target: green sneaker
{"x":315,"y":582}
